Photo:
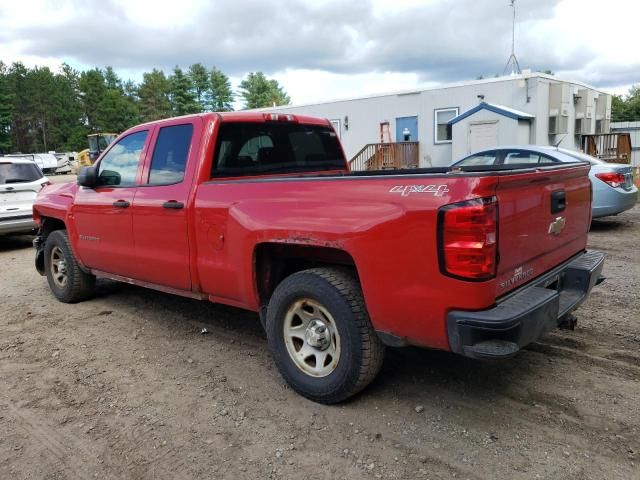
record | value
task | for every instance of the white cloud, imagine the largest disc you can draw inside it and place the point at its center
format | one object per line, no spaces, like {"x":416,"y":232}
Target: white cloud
{"x":321,"y":49}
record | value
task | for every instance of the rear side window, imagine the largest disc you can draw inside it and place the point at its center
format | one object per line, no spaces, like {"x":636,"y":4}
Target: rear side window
{"x":485,"y":158}
{"x":19,"y":172}
{"x":275,"y":147}
{"x":170,"y":155}
{"x":120,"y":164}
{"x":521,"y":156}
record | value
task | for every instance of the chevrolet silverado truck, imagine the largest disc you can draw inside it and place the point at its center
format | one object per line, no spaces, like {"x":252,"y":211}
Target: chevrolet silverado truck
{"x":261,"y":212}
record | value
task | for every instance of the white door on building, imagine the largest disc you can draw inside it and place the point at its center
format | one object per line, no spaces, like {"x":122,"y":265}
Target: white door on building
{"x":482,"y":136}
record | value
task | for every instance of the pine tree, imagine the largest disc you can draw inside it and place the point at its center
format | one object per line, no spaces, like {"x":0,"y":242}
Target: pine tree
{"x":93,"y":90}
{"x":221,"y":93}
{"x":199,"y":77}
{"x":258,"y":91}
{"x":154,"y":96}
{"x":67,"y":130}
{"x":183,"y":101}
{"x":6,"y":110}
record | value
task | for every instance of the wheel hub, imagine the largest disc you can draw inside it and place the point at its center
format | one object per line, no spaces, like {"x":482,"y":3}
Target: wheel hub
{"x":59,"y":271}
{"x":318,"y":334}
{"x":312,"y":337}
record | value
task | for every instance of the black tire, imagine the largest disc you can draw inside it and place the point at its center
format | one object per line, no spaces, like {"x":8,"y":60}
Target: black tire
{"x":361,"y":351}
{"x":79,"y":285}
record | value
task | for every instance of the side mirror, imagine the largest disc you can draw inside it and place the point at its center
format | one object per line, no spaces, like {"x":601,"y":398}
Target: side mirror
{"x":88,"y":177}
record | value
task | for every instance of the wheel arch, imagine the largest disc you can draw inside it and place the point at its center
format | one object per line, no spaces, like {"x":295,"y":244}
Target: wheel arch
{"x":274,"y":261}
{"x":47,"y":225}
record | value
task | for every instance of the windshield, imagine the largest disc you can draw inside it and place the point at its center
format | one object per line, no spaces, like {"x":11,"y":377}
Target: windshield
{"x":19,"y":173}
{"x":275,"y":147}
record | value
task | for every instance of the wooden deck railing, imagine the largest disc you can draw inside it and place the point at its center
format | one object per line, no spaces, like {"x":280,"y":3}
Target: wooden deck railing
{"x":386,"y":156}
{"x":610,"y":147}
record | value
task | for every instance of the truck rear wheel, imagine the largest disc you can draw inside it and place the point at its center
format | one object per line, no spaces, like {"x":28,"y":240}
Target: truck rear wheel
{"x":320,"y":335}
{"x":66,"y":279}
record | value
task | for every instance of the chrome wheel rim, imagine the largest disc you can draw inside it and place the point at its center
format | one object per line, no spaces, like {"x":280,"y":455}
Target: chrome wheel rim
{"x":58,"y":267}
{"x":312,"y":338}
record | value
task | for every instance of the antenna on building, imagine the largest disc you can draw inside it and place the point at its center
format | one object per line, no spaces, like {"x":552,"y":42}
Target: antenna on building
{"x":512,"y":63}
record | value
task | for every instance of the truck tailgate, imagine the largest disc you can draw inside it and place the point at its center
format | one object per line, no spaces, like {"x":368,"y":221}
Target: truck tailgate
{"x":544,"y":217}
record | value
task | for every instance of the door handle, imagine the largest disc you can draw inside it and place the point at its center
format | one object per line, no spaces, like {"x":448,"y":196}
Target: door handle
{"x":173,"y":204}
{"x":558,"y":201}
{"x":121,"y":204}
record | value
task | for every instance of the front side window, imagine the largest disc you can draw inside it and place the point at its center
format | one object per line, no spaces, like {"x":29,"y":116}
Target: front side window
{"x":247,"y":148}
{"x":442,"y":127}
{"x":484,"y":158}
{"x":170,"y":154}
{"x":120,"y":164}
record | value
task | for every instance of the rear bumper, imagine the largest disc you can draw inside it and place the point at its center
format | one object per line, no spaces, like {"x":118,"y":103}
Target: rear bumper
{"x":527,"y":313}
{"x":21,"y":224}
{"x":613,"y":201}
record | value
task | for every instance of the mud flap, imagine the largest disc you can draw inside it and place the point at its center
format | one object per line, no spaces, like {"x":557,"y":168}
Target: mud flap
{"x":38,"y":244}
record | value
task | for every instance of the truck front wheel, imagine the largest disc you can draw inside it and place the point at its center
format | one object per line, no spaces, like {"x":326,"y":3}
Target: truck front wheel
{"x":66,"y":279}
{"x":320,"y":335}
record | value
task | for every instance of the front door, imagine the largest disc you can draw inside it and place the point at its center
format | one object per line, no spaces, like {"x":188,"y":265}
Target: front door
{"x":103,"y":222}
{"x":407,"y":129}
{"x":160,"y":213}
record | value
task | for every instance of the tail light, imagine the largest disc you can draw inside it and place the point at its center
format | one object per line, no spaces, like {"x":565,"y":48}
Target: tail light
{"x":613,"y":179}
{"x":468,"y":239}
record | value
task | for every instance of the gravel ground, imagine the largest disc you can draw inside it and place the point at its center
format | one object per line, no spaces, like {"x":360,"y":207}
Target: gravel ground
{"x":126,"y":386}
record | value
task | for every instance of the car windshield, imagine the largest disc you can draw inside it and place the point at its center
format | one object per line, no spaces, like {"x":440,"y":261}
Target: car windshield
{"x":19,"y":172}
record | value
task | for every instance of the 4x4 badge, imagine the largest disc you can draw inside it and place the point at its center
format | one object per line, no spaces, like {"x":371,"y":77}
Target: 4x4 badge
{"x":557,"y":226}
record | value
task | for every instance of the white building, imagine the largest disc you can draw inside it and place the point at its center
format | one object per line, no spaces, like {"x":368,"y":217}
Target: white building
{"x":451,"y":121}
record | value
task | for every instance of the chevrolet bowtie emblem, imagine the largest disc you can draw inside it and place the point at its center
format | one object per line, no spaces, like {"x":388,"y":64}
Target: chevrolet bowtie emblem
{"x":557,"y":226}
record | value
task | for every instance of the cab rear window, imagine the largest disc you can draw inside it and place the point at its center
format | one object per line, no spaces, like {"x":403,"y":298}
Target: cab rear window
{"x":19,"y":172}
{"x":246,"y":148}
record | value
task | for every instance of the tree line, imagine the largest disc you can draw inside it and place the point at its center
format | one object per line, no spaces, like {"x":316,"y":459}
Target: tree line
{"x":626,"y":108}
{"x":42,"y":110}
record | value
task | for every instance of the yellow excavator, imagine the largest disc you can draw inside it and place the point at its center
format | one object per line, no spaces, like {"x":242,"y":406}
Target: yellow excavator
{"x":98,"y":142}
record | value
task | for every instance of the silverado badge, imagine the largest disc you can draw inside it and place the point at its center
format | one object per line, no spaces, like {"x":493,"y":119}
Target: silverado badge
{"x":557,"y":226}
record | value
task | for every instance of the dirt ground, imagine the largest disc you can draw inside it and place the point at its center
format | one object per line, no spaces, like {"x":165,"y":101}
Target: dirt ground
{"x":127,"y":386}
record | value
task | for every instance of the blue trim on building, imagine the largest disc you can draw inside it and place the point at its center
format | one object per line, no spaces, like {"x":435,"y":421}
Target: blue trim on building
{"x":494,"y":109}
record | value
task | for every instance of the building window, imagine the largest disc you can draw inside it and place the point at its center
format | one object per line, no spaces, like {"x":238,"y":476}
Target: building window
{"x":336,"y":127}
{"x":442,"y":128}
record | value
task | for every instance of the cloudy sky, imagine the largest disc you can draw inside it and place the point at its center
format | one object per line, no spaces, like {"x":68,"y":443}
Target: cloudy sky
{"x":323,"y":49}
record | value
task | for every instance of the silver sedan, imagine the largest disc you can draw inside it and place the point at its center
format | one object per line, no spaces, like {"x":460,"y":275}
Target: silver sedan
{"x":613,"y":188}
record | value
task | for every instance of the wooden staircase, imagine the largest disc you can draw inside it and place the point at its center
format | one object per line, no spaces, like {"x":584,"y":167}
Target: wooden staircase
{"x":386,"y":156}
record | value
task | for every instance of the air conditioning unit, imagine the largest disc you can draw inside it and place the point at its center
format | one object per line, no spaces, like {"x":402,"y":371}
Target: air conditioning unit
{"x":603,"y":126}
{"x":559,"y":106}
{"x":583,"y":126}
{"x":584,"y":101}
{"x":603,"y":107}
{"x":558,"y":124}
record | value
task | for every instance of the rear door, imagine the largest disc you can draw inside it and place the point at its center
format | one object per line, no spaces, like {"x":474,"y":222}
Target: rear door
{"x":544,"y":217}
{"x":160,"y":213}
{"x":102,"y":214}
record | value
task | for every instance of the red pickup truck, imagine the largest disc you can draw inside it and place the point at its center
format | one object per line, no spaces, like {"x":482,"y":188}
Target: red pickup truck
{"x":260,"y":211}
